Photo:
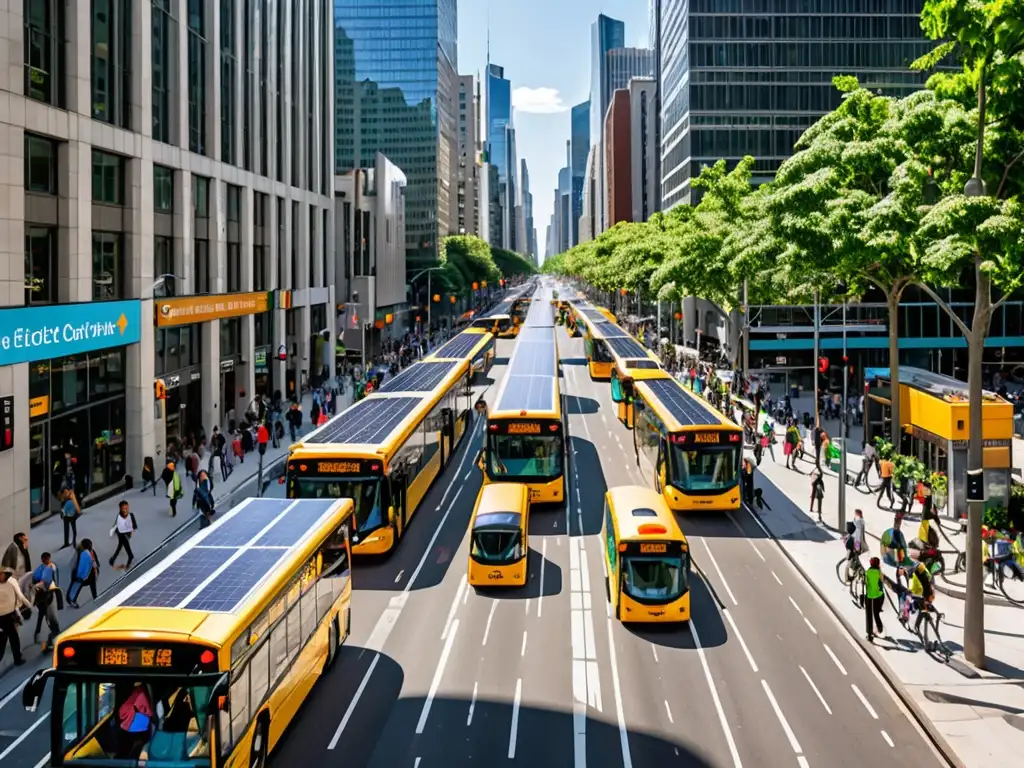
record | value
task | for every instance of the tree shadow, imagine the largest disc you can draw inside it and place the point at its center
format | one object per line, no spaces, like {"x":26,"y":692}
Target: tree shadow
{"x":940,"y":697}
{"x":785,"y":519}
{"x":583,"y":406}
{"x":591,"y":487}
{"x":552,"y":584}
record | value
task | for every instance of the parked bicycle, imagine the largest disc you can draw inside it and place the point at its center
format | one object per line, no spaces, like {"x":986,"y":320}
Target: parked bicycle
{"x":850,"y":572}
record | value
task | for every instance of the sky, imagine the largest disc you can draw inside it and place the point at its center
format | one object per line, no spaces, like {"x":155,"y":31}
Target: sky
{"x":544,"y":46}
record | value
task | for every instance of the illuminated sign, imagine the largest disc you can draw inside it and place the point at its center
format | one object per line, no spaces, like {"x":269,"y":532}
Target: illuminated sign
{"x":521,"y":428}
{"x":653,"y":549}
{"x":707,"y":437}
{"x":123,"y":656}
{"x":338,"y":467}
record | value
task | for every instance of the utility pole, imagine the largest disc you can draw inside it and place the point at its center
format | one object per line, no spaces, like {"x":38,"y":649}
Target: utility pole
{"x":817,"y":355}
{"x":846,"y":431}
{"x":746,"y":332}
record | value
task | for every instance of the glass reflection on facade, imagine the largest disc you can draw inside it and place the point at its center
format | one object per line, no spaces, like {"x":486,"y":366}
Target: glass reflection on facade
{"x":748,"y":77}
{"x":499,"y":116}
{"x":393,"y":63}
{"x":579,"y":138}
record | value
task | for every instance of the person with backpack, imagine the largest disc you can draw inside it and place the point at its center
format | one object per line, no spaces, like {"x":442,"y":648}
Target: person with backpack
{"x":202,"y":498}
{"x":124,"y":526}
{"x":817,"y":491}
{"x":69,"y":513}
{"x":85,"y":569}
{"x":174,"y":491}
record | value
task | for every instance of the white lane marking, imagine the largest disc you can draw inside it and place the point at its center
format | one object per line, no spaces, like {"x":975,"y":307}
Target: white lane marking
{"x":46,"y":760}
{"x":466,"y":476}
{"x":352,"y":704}
{"x":782,"y":718}
{"x":795,"y":605}
{"x":835,"y":659}
{"x":10,"y":696}
{"x":655,"y":651}
{"x":436,"y":682}
{"x":472,"y":705}
{"x":777,"y":578}
{"x":865,"y":702}
{"x":816,"y":691}
{"x":24,"y":735}
{"x":543,"y":559}
{"x":743,"y":643}
{"x":398,"y":578}
{"x":490,"y":617}
{"x":802,"y":761}
{"x":465,"y":596}
{"x":719,"y":571}
{"x":417,"y":763}
{"x":451,"y":611}
{"x":885,"y":736}
{"x":627,"y":760}
{"x":527,"y":611}
{"x":522,"y":649}
{"x":758,"y":551}
{"x":430,"y":544}
{"x":515,"y":720}
{"x":668,"y":711}
{"x":714,"y":697}
{"x":809,"y":625}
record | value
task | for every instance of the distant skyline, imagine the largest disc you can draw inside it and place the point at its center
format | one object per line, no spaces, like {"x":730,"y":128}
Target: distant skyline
{"x":544,"y":48}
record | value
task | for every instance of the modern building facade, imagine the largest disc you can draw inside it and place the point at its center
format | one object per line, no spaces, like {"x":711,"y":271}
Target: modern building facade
{"x":510,"y":194}
{"x":579,"y":138}
{"x":369,"y":255}
{"x":630,"y":153}
{"x":400,"y":100}
{"x":497,"y":124}
{"x":618,"y":192}
{"x":624,"y":64}
{"x":467,"y":181}
{"x":589,"y":216}
{"x":166,"y":229}
{"x":739,"y":83}
{"x":606,"y":34}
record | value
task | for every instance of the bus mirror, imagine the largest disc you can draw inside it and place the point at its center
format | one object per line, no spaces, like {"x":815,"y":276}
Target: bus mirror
{"x":617,"y":395}
{"x":391,"y":514}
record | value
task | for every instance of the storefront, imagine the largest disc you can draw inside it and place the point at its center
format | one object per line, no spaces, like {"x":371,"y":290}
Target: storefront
{"x":77,"y":360}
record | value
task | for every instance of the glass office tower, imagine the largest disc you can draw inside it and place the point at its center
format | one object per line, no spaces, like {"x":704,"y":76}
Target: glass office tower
{"x":395,"y":87}
{"x":580,"y":146}
{"x":605,"y":34}
{"x":738,"y":79}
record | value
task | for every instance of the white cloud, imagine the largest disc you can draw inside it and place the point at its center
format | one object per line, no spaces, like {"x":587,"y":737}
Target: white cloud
{"x":541,"y":101}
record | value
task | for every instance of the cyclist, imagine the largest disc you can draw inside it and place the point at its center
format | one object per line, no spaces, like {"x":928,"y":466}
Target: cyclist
{"x":919,"y":597}
{"x":854,"y":541}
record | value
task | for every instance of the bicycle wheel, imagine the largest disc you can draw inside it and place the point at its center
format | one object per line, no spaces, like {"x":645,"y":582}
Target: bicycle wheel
{"x":858,"y":588}
{"x":932,"y":637}
{"x":843,"y":572}
{"x":1015,"y":593}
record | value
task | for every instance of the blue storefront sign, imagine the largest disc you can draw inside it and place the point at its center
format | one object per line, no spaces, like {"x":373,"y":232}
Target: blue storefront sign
{"x":58,"y":330}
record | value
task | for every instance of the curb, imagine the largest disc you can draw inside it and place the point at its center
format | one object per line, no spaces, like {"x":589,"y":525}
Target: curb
{"x":937,"y":739}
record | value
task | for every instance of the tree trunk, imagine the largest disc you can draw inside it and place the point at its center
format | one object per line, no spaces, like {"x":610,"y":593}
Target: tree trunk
{"x":974,"y":608}
{"x":892,"y":298}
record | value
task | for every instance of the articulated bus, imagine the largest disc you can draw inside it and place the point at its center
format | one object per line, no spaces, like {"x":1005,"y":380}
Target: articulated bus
{"x":205,"y":660}
{"x":647,"y":557}
{"x":608,"y":345}
{"x":525,"y":440}
{"x":481,"y":355}
{"x":386,"y":450}
{"x":690,"y":451}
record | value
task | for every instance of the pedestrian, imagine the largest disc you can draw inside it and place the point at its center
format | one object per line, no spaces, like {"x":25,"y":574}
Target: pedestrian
{"x":17,"y":558}
{"x":314,"y":411}
{"x":886,"y":468}
{"x":148,"y":475}
{"x":46,"y":596}
{"x":747,"y":482}
{"x":202,"y":499}
{"x":172,"y":480}
{"x":817,"y":491}
{"x":69,"y":513}
{"x":124,"y":526}
{"x":12,"y":600}
{"x":85,"y":569}
{"x":874,"y":598}
{"x":792,"y":441}
{"x":217,"y":443}
{"x":867,"y":454}
{"x":294,"y":421}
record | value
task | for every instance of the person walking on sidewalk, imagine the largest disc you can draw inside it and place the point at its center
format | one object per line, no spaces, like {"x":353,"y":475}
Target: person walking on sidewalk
{"x":867,"y":453}
{"x":124,"y":526}
{"x":46,"y":596}
{"x":202,"y":499}
{"x":294,"y":421}
{"x":874,"y":599}
{"x":16,"y":557}
{"x":172,"y":480}
{"x":69,"y":513}
{"x":817,"y":491}
{"x":11,"y":602}
{"x":792,"y":441}
{"x":886,"y":469}
{"x":85,"y":569}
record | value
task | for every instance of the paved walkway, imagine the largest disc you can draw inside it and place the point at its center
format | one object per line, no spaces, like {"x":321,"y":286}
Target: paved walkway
{"x":156,"y":534}
{"x":980,"y":714}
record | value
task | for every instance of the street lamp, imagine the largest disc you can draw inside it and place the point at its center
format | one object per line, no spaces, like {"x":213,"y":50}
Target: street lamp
{"x":426,"y":272}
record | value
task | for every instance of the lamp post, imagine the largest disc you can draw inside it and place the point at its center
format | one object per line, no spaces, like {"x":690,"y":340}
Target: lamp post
{"x":430,"y":296}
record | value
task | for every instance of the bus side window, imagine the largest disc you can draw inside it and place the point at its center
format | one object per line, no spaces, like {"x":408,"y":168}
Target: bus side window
{"x":609,"y":539}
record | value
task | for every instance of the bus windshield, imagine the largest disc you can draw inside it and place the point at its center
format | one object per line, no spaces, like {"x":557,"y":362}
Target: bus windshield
{"x":598,"y":352}
{"x":364,"y":492}
{"x":158,"y":721}
{"x":661,"y":579}
{"x":704,"y":469}
{"x":497,"y":545}
{"x":524,"y":455}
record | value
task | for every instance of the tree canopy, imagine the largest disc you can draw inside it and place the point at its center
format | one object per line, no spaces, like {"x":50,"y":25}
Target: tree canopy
{"x":466,"y":259}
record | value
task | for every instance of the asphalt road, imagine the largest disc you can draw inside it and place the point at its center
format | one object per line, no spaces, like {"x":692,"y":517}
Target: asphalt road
{"x":438,"y":674}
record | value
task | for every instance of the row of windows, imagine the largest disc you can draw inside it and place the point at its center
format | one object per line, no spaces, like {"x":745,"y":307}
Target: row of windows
{"x":912,"y":7}
{"x":866,"y":27}
{"x":74,"y":381}
{"x":834,"y":56}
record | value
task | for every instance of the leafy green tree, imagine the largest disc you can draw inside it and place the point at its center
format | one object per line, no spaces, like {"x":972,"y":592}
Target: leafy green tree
{"x":467,"y":260}
{"x":510,"y":263}
{"x":981,"y":227}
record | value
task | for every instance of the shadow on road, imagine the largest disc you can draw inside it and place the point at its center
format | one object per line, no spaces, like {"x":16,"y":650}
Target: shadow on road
{"x":704,"y":615}
{"x":533,"y":588}
{"x":590,"y":483}
{"x":576,"y":405}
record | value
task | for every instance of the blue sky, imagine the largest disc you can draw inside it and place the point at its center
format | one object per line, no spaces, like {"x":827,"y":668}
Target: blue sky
{"x":544,"y":46}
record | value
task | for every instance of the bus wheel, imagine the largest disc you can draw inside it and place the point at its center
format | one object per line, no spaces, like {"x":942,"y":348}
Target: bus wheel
{"x":332,"y":643}
{"x":258,"y":751}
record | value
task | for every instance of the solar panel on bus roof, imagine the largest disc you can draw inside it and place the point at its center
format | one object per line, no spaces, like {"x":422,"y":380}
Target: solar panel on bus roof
{"x":458,"y":347}
{"x":683,"y":407}
{"x":537,"y":333}
{"x":368,"y":421}
{"x":611,"y":331}
{"x":236,"y":581}
{"x":594,"y":316}
{"x":176,"y":583}
{"x":421,"y":377}
{"x":627,"y":347}
{"x":533,"y":358}
{"x":528,"y":393}
{"x":239,"y":529}
{"x":293,"y":526}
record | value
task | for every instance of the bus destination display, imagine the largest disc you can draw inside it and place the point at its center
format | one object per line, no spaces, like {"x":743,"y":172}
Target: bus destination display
{"x":523,"y":428}
{"x":129,"y":656}
{"x":658,"y":548}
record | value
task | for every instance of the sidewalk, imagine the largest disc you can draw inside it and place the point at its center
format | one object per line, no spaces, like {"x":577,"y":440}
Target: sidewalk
{"x":979,"y":714}
{"x":156,"y":534}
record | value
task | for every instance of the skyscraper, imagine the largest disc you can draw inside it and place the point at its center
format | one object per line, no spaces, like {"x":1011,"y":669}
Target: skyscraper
{"x":497,"y":122}
{"x":579,"y":138}
{"x":624,"y":64}
{"x":467,"y":179}
{"x":731,"y":88}
{"x":606,"y":34}
{"x":399,"y":100}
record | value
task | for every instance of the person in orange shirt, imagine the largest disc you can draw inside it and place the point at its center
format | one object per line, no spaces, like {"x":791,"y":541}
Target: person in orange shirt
{"x":886,"y":469}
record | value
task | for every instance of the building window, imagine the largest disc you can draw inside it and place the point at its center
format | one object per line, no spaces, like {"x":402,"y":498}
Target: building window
{"x":228,"y":68}
{"x":230,"y":337}
{"x":44,"y":51}
{"x":261,"y":329}
{"x":40,"y":165}
{"x":40,"y":265}
{"x":107,"y":178}
{"x":234,"y":268}
{"x":201,"y":197}
{"x":107,"y":266}
{"x":234,"y":202}
{"x":259,"y":268}
{"x":111,"y":53}
{"x":201,"y":267}
{"x":163,"y":189}
{"x":163,"y":263}
{"x":163,"y":46}
{"x":196,"y":77}
{"x":247,"y":84}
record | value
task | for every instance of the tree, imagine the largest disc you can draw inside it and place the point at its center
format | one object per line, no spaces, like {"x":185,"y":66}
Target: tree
{"x":510,"y":263}
{"x":974,"y":229}
{"x":467,"y":260}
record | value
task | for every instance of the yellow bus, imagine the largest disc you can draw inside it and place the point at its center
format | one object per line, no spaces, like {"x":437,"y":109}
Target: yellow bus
{"x":647,"y":557}
{"x":690,"y":451}
{"x":481,"y":354}
{"x":499,"y":541}
{"x":608,"y":346}
{"x":525,"y":441}
{"x":386,"y":450}
{"x":206,"y":659}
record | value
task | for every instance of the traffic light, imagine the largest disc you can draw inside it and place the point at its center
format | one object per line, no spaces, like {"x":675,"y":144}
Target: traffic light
{"x":437,"y":297}
{"x":822,"y":365}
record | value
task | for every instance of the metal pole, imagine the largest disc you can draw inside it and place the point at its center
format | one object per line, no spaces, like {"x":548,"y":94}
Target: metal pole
{"x":817,"y":354}
{"x":746,"y":332}
{"x":430,"y":298}
{"x":846,"y":433}
{"x":259,"y":482}
{"x":362,"y":328}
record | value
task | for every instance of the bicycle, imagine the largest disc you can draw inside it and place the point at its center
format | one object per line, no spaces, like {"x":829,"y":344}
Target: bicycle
{"x":927,"y":630}
{"x":850,"y":572}
{"x":1000,"y":571}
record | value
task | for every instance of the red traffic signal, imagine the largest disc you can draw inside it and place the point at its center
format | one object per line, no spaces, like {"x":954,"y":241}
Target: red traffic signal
{"x":822,"y":365}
